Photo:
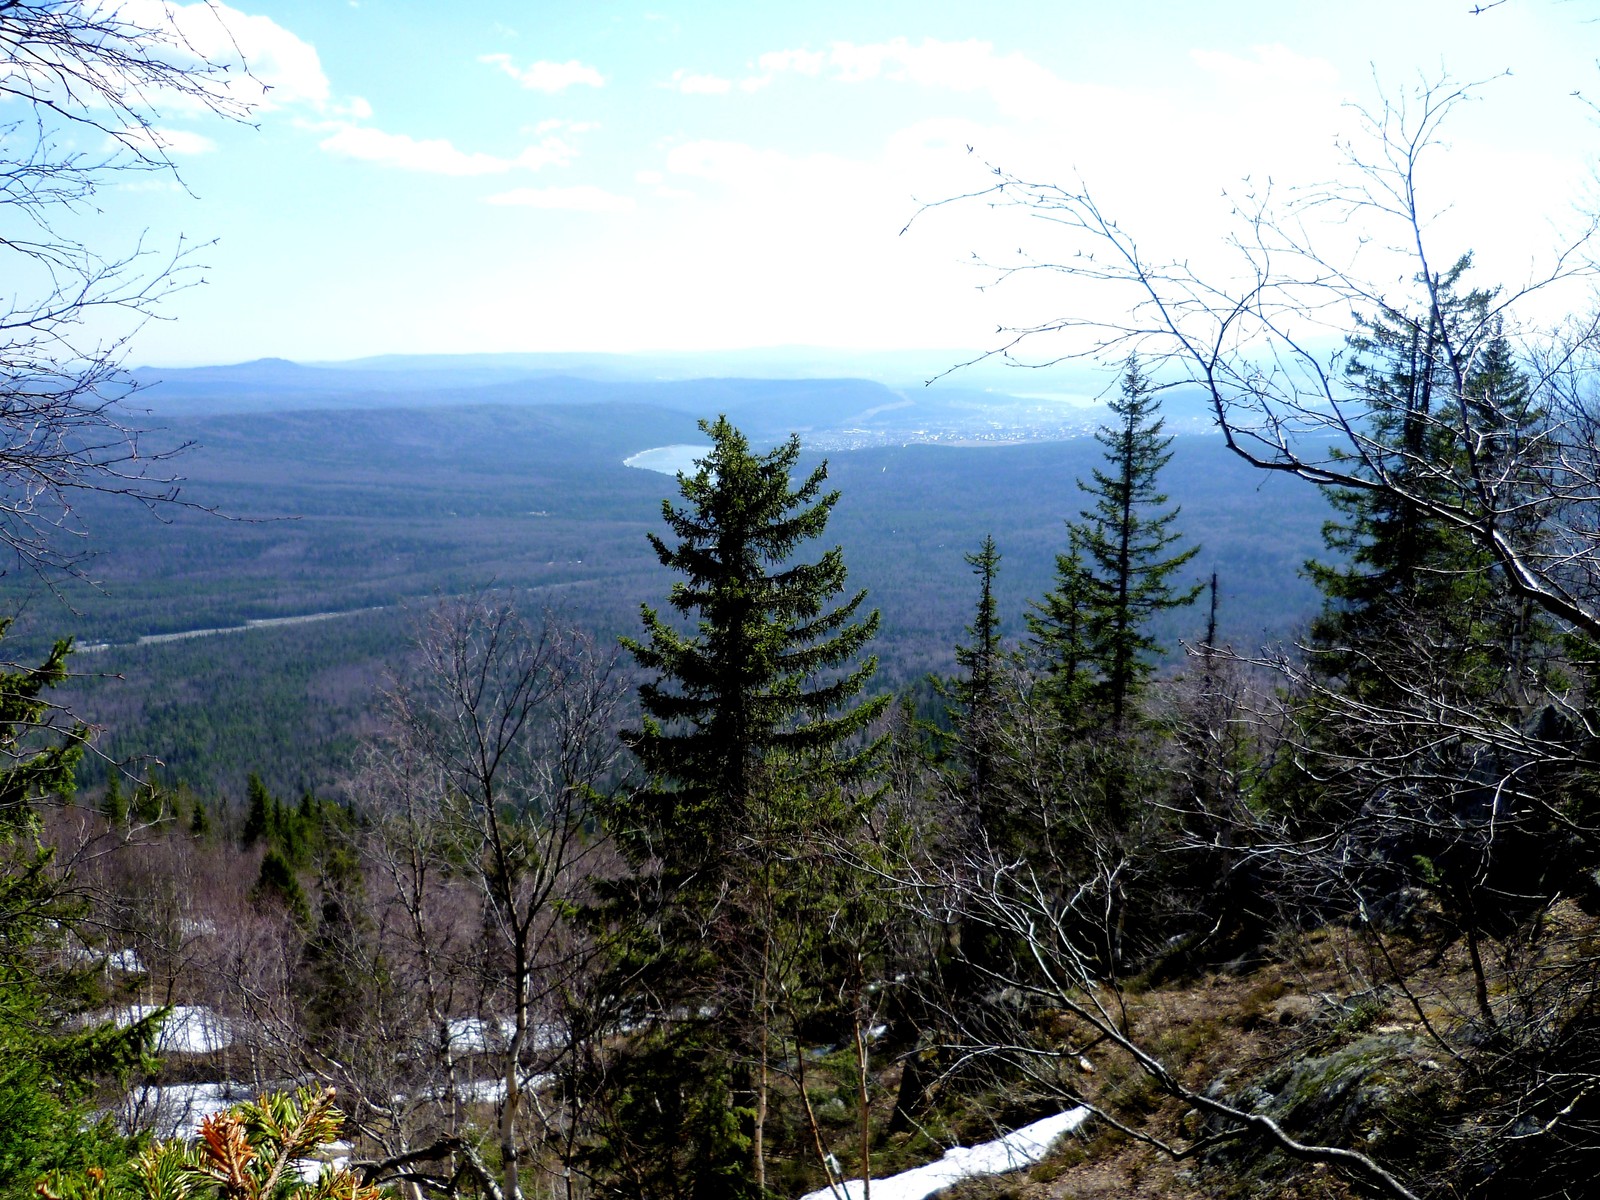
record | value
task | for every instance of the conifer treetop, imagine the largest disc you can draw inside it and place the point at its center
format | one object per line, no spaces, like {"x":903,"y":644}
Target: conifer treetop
{"x":770,"y":670}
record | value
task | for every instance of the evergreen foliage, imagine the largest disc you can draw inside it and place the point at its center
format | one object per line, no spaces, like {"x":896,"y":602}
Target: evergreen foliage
{"x":1406,"y":588}
{"x":50,"y":1060}
{"x":1396,"y":568}
{"x":752,"y":734}
{"x":763,"y":693}
{"x":278,"y":883}
{"x":1059,"y":627}
{"x":337,"y":977}
{"x":981,"y":658}
{"x":1426,"y":664}
{"x":50,"y":1064}
{"x":258,"y":811}
{"x":974,"y":699}
{"x":249,"y":1152}
{"x":150,"y":800}
{"x":670,"y":1131}
{"x":114,"y":804}
{"x":39,"y":762}
{"x":1092,"y":629}
{"x":974,"y":694}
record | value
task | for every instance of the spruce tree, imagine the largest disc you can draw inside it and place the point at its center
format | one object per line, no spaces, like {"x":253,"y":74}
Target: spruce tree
{"x":1523,"y":643}
{"x":1440,"y":386}
{"x":1397,"y":569}
{"x":763,"y":693}
{"x":258,"y":811}
{"x":1059,"y":626}
{"x":973,"y":696}
{"x":1424,"y":655}
{"x":1093,"y":628}
{"x":115,"y":804}
{"x":277,"y":883}
{"x":752,"y":731}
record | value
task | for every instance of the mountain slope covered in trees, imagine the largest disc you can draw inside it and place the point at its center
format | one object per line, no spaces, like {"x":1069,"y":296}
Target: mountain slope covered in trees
{"x":895,"y":818}
{"x":372,"y":513}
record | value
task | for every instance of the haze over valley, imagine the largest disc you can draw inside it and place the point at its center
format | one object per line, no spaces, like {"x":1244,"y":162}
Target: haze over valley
{"x":359,"y":493}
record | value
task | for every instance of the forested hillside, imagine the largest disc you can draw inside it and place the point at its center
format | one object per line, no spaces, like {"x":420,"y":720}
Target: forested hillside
{"x":1176,"y":781}
{"x":718,"y":909}
{"x":373,"y":513}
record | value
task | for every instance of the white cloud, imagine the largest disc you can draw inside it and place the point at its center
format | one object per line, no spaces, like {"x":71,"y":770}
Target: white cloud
{"x":584,"y":198}
{"x":754,"y":83}
{"x":853,"y":63}
{"x":550,"y":152}
{"x":284,"y":70}
{"x":657,"y":183}
{"x":354,"y":109}
{"x":544,"y":76}
{"x":288,"y":67}
{"x":1273,"y":67}
{"x":437,"y":156}
{"x":691,"y":84}
{"x":778,"y":62}
{"x":1020,"y":86}
{"x":1043,"y":124}
{"x":228,"y":61}
{"x":729,"y":162}
{"x":822,"y":224}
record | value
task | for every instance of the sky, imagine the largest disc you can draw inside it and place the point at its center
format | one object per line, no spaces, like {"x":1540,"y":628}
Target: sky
{"x":619,"y":176}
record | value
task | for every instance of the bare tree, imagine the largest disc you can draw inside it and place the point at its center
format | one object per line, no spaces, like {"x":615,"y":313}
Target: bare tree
{"x":1422,"y":791}
{"x":1253,"y":334}
{"x":85,"y":85}
{"x":1056,"y":979}
{"x":498,"y":738}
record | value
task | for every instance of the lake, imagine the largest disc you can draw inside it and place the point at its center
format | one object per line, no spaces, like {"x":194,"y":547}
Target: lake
{"x":668,"y":460}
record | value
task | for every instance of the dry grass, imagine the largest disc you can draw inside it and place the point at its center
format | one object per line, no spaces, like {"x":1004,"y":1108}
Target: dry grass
{"x":1319,"y":991}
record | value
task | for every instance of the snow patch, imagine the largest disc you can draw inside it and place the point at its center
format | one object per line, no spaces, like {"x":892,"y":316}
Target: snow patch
{"x":477,"y":1036}
{"x":175,"y":1110}
{"x":310,"y":1169}
{"x":188,"y":1029}
{"x":1018,"y":1149}
{"x":126,"y":959}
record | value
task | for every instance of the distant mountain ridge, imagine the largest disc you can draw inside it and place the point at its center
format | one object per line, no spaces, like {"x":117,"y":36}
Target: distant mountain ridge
{"x":870,"y":396}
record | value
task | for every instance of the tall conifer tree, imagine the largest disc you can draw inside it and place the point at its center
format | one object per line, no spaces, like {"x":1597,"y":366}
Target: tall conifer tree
{"x":1440,"y":386}
{"x":1423,"y":654}
{"x":764,"y":689}
{"x":1059,"y":626}
{"x":974,"y":694}
{"x":753,"y":727}
{"x":1396,"y":566}
{"x":1093,"y":628}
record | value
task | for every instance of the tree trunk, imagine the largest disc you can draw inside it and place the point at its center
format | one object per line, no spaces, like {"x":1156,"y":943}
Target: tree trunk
{"x":758,"y":1148}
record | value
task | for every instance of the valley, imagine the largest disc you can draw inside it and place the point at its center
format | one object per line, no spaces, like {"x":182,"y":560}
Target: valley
{"x":386,"y":498}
